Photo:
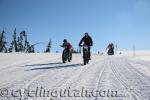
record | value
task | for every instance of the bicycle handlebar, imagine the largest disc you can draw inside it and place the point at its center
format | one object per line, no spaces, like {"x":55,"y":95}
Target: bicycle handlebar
{"x":85,"y":45}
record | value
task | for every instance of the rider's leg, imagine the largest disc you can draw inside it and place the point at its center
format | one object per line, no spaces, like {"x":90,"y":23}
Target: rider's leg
{"x":63,"y":51}
{"x":89,"y":53}
{"x":68,"y":54}
{"x":83,"y":53}
{"x":63,"y":56}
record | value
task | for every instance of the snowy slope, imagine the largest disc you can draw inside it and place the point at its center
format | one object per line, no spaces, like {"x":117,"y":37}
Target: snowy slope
{"x":44,"y":77}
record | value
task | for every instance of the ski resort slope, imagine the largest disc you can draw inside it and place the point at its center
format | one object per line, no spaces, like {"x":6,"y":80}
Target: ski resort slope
{"x":43,"y":76}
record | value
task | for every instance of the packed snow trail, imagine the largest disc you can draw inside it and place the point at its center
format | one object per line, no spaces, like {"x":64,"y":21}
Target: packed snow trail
{"x":45,"y":77}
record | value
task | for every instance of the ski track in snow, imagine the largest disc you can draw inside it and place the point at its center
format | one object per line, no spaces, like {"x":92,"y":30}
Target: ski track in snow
{"x":121,"y":76}
{"x":135,"y":82}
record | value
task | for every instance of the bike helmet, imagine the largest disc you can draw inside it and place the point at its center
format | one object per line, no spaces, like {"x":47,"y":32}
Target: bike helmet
{"x":65,"y":40}
{"x":111,"y":43}
{"x":86,"y":34}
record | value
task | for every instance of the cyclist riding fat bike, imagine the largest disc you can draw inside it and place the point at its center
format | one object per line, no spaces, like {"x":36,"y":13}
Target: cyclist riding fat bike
{"x":110,"y":48}
{"x":87,"y":41}
{"x":67,"y":46}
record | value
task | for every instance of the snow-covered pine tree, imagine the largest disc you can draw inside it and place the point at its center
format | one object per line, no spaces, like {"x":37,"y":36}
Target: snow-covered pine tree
{"x":31,"y":49}
{"x":26,"y":44}
{"x":48,"y":49}
{"x":20,"y":43}
{"x":3,"y":47}
{"x":14,"y":45}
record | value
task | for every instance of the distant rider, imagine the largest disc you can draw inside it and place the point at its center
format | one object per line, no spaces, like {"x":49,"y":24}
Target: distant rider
{"x":67,"y":46}
{"x":110,"y":48}
{"x":88,"y":42}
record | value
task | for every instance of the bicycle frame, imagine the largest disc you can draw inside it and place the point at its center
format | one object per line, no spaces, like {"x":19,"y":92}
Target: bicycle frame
{"x":85,"y":54}
{"x":66,"y":55}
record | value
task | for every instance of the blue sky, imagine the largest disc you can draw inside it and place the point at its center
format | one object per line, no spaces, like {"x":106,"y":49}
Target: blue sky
{"x":123,"y":22}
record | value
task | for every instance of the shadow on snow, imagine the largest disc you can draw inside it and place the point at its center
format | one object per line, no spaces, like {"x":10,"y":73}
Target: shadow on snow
{"x":53,"y":67}
{"x":45,"y":64}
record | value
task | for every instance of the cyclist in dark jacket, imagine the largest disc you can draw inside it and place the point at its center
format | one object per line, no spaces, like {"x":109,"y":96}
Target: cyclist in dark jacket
{"x":87,"y":41}
{"x":110,"y":48}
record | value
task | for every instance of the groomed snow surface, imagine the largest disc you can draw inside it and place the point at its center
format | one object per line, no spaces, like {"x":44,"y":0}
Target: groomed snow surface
{"x":42,"y":76}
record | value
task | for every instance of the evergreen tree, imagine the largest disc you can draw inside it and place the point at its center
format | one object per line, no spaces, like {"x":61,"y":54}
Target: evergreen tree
{"x":14,"y":45}
{"x":20,"y":43}
{"x":3,"y":42}
{"x":31,"y":49}
{"x":26,"y":43}
{"x":48,"y":49}
{"x":26,"y":47}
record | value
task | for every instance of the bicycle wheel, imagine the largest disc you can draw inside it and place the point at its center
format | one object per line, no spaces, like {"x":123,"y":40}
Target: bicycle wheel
{"x":69,"y":56}
{"x":85,"y":58}
{"x":64,"y":56}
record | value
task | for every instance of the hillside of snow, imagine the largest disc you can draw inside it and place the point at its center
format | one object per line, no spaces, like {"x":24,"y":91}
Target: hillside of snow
{"x":43,"y":76}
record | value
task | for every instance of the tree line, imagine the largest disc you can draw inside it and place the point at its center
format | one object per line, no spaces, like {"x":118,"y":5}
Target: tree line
{"x":19,"y":43}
